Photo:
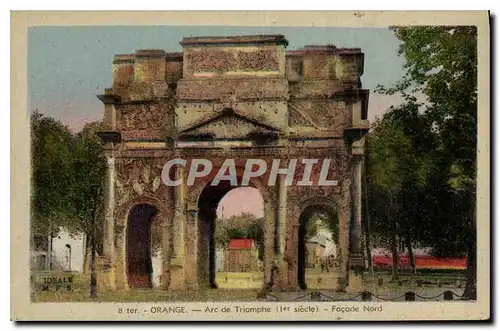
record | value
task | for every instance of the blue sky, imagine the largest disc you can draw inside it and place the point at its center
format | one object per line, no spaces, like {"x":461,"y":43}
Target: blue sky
{"x":69,"y":66}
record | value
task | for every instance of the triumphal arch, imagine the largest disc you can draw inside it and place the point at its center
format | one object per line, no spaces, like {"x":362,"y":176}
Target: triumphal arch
{"x":240,"y":98}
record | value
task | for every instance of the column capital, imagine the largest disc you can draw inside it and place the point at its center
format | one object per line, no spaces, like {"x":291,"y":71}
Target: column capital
{"x":358,"y":146}
{"x":357,"y":158}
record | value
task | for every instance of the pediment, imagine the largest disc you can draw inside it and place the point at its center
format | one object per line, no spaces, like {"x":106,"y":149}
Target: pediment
{"x":230,"y":124}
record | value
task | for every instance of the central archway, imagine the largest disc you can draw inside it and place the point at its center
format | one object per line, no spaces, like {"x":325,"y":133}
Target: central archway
{"x":208,"y":203}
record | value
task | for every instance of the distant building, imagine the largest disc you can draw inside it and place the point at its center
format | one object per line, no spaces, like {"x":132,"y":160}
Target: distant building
{"x":322,"y":246}
{"x":64,"y":252}
{"x":219,"y":259}
{"x":315,"y":250}
{"x":241,"y":256}
{"x":320,"y":250}
{"x":330,"y":245}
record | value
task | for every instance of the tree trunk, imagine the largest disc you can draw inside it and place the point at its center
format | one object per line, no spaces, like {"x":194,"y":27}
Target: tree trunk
{"x":86,"y":257}
{"x":368,"y":251}
{"x":411,"y":256}
{"x":470,"y":292}
{"x":49,"y":251}
{"x":394,"y":239}
{"x":395,"y":259}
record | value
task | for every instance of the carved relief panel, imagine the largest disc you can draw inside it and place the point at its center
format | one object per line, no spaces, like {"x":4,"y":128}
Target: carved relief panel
{"x":139,"y":177}
{"x":220,"y":60}
{"x":144,"y":121}
{"x":322,"y":115}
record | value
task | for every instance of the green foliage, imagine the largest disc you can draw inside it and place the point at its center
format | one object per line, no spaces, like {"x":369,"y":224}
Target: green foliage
{"x":89,"y":170}
{"x":51,"y":174}
{"x":312,"y":228}
{"x":422,"y":155}
{"x":68,"y":174}
{"x":240,"y":226}
{"x":441,"y":63}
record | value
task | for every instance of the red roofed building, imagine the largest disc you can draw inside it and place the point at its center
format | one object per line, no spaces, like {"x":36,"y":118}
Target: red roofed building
{"x":241,"y":256}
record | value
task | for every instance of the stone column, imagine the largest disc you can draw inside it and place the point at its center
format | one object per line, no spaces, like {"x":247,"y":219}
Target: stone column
{"x":121,"y":259}
{"x":269,"y":241}
{"x":165,"y":253}
{"x":356,"y":261}
{"x":292,"y":247}
{"x":109,"y":194}
{"x":344,"y":221}
{"x":106,"y":262}
{"x":177,"y":264}
{"x":282,"y":265}
{"x":190,"y":242}
{"x":203,"y":248}
{"x":109,"y":206}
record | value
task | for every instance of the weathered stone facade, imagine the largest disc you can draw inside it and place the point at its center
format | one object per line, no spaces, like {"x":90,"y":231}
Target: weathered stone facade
{"x":232,"y":97}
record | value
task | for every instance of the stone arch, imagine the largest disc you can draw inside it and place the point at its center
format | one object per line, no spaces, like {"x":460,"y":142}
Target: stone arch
{"x":318,"y":200}
{"x":308,"y":207}
{"x":194,"y":192}
{"x":204,"y":199}
{"x":123,"y":211}
{"x":163,"y":215}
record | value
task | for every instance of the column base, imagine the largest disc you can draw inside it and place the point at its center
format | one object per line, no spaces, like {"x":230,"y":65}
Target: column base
{"x":177,"y":275}
{"x":121,"y":280}
{"x":341,"y":284}
{"x":105,"y":274}
{"x":177,"y":279}
{"x":281,"y":281}
{"x":106,"y":280}
{"x":165,"y":280}
{"x":355,"y":282}
{"x":191,"y":279}
{"x":192,"y":286}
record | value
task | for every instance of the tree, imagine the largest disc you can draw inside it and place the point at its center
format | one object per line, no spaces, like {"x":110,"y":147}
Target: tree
{"x":311,"y":227}
{"x":388,"y":154}
{"x":68,"y":173}
{"x":89,"y":171}
{"x":329,"y":219}
{"x":401,"y":162}
{"x":51,"y":175}
{"x":240,"y":226}
{"x":441,"y":64}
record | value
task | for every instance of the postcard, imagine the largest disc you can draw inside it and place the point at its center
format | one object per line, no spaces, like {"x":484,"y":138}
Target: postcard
{"x":250,"y":166}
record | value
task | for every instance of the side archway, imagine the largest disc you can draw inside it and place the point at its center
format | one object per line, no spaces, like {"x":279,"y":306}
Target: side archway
{"x":139,"y":263}
{"x":133,"y":240}
{"x":313,"y":244}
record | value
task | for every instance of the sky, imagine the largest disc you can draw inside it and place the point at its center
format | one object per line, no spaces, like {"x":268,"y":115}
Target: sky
{"x":69,"y":66}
